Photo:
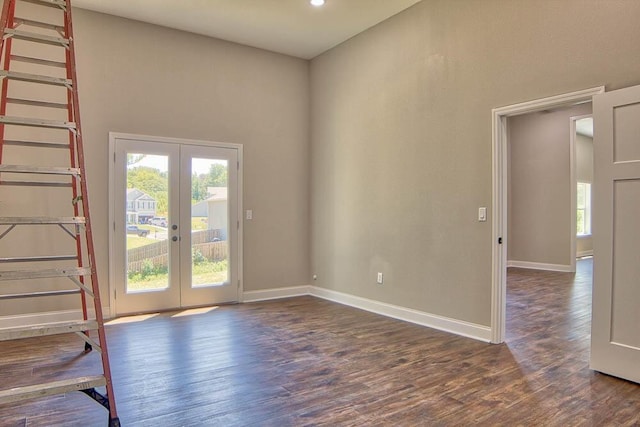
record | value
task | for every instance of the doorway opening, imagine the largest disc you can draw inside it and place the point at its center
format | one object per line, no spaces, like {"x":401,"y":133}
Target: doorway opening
{"x":500,"y":223}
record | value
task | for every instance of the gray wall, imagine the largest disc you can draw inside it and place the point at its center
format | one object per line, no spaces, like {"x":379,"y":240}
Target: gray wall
{"x":401,"y":136}
{"x":144,"y":79}
{"x":539,"y":222}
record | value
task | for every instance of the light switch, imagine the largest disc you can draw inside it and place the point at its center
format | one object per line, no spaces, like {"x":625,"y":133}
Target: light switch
{"x":482,"y":214}
{"x":249,"y":214}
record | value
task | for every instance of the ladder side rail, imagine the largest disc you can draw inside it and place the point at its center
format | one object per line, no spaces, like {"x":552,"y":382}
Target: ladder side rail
{"x":71,"y":66}
{"x":8,"y":13}
{"x":74,"y":180}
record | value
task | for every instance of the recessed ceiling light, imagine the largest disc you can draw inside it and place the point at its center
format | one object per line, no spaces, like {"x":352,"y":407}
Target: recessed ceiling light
{"x":317,"y":2}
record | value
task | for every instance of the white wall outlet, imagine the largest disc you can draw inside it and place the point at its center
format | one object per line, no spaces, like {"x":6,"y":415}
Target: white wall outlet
{"x":315,"y":277}
{"x":380,"y":279}
{"x":249,"y":214}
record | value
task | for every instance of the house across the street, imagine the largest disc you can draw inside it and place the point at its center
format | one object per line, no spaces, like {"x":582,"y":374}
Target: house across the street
{"x":141,"y":207}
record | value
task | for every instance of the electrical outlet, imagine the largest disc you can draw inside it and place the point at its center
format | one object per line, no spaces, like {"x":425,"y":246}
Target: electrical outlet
{"x":315,"y":277}
{"x":380,"y":279}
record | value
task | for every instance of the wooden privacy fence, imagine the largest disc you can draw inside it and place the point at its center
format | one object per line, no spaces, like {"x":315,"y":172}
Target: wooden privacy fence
{"x":158,"y":253}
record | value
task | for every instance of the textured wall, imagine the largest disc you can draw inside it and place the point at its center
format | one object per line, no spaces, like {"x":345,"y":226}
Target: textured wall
{"x":401,"y":136}
{"x":144,"y":79}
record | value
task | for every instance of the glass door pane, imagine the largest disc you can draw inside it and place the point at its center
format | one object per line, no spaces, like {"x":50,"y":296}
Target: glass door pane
{"x":147,"y":203}
{"x":209,"y":222}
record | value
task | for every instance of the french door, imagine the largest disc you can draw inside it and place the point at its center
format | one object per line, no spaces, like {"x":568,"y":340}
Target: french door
{"x":175,"y":224}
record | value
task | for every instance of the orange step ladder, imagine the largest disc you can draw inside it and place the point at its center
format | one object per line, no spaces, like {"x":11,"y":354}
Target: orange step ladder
{"x":46,"y":243}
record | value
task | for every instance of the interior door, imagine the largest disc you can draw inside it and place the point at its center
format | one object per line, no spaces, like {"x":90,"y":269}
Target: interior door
{"x":615,"y":341}
{"x":175,"y":225}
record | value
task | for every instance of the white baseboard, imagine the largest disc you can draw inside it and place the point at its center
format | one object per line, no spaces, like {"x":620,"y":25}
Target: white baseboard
{"x":269,"y":294}
{"x":584,"y":253}
{"x":454,"y":326}
{"x":539,"y":266}
{"x":46,"y":317}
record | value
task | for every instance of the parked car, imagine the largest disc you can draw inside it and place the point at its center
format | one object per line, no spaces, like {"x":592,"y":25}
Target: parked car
{"x":160,"y":221}
{"x":134,"y":229}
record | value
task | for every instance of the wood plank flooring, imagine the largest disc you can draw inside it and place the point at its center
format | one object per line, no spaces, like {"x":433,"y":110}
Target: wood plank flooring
{"x":309,"y":362}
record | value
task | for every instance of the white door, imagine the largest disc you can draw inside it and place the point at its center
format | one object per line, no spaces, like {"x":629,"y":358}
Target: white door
{"x":175,"y":225}
{"x":615,"y":340}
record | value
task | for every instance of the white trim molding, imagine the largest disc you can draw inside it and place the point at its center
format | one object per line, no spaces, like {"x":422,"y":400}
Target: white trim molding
{"x":499,"y":197}
{"x":441,"y":323}
{"x":30,"y":319}
{"x":541,"y":266}
{"x":277,"y":293}
{"x":446,"y":324}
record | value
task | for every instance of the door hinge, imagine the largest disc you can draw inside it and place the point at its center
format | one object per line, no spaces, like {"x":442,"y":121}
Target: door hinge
{"x":114,"y":157}
{"x":115,"y":294}
{"x":238,"y":284}
{"x":499,"y":240}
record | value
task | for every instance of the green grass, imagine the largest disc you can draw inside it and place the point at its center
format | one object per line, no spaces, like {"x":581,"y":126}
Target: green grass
{"x":204,"y":272}
{"x":137,"y":241}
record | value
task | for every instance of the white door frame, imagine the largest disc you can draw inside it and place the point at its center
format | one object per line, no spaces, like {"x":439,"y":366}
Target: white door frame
{"x":499,"y":199}
{"x":113,"y":137}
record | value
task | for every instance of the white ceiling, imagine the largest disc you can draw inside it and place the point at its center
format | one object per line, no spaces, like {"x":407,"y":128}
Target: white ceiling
{"x":292,"y":27}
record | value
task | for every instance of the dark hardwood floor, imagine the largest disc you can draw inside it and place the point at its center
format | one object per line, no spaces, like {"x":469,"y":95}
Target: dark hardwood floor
{"x":306,"y":361}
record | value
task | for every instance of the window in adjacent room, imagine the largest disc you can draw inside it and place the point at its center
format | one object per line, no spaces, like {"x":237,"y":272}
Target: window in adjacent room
{"x":584,"y":209}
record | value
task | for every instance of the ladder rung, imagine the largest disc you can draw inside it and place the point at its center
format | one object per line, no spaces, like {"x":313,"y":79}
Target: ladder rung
{"x":34,"y":184}
{"x":37,"y":103}
{"x":40,"y":144}
{"x":46,"y":330}
{"x":12,"y":220}
{"x":39,"y":24}
{"x":38,"y":61}
{"x":40,"y":294}
{"x":49,"y":389}
{"x":25,"y":121}
{"x":40,"y":170}
{"x":39,"y":258}
{"x":42,"y":274}
{"x":36,"y":37}
{"x":58,"y":4}
{"x":35,"y":78}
